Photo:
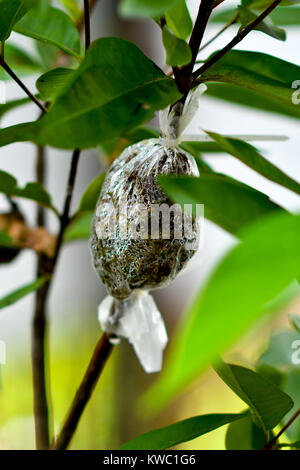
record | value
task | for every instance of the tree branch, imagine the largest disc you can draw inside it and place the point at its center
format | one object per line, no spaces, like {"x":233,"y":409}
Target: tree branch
{"x":183,"y":76}
{"x":100,"y":356}
{"x":271,"y":444}
{"x":238,"y":38}
{"x":21,"y":84}
{"x":46,"y":266}
{"x":87,"y":24}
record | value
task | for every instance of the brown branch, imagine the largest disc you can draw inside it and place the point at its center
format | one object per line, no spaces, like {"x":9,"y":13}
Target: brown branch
{"x":100,"y":356}
{"x":183,"y":76}
{"x":81,"y":20}
{"x":271,"y":444}
{"x":46,"y":266}
{"x":39,"y":369}
{"x":37,"y":239}
{"x":238,"y":38}
{"x":21,"y":84}
{"x":87,"y":23}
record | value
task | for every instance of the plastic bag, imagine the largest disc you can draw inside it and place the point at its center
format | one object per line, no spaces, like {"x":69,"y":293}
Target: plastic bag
{"x":140,"y":240}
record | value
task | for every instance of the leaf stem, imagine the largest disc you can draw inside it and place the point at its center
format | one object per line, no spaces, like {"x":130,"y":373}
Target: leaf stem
{"x":21,"y":84}
{"x":99,"y":358}
{"x":271,"y":444}
{"x":238,"y":38}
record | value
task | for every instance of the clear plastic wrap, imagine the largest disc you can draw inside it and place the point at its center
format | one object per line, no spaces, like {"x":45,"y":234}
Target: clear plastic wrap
{"x":136,"y":250}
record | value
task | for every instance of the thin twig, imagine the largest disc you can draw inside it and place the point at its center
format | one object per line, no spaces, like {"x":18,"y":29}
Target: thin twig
{"x":39,"y":369}
{"x":230,"y":23}
{"x":238,"y":38}
{"x":81,"y":20}
{"x":41,"y":409}
{"x":271,"y":444}
{"x":21,"y":84}
{"x":40,"y":178}
{"x":87,"y":24}
{"x":100,"y":356}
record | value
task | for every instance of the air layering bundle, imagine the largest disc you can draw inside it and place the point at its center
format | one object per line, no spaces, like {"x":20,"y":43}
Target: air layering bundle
{"x":135,"y":248}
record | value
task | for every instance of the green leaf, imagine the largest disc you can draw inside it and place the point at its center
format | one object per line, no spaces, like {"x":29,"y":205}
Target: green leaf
{"x":36,"y":192}
{"x":91,"y":194}
{"x":80,"y":227}
{"x":72,"y":7}
{"x":245,"y":97}
{"x":5,"y":239}
{"x":10,"y":105}
{"x":182,"y":431}
{"x":47,"y":53}
{"x":179,"y":20}
{"x":272,"y":374}
{"x":262,"y":4}
{"x":20,"y":62}
{"x":279,"y":352}
{"x":281,"y":16}
{"x":267,"y":26}
{"x":144,"y":8}
{"x":262,"y":73}
{"x":247,"y":154}
{"x":296,"y":445}
{"x":178,"y":51}
{"x":238,"y":292}
{"x":268,"y":403}
{"x":118,"y":96}
{"x":33,"y":191}
{"x":22,"y":292}
{"x":227,"y":202}
{"x":295,"y":322}
{"x":52,"y":26}
{"x":244,"y":435}
{"x":11,"y":11}
{"x":51,"y":83}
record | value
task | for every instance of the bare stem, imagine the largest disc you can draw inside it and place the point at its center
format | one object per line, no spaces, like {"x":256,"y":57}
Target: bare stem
{"x":41,"y":409}
{"x":39,"y":370}
{"x":183,"y":76}
{"x":100,"y":356}
{"x":21,"y":84}
{"x":271,"y":444}
{"x":87,"y":24}
{"x":238,"y":38}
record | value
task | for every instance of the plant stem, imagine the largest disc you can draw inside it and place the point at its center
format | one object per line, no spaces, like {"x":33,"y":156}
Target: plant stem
{"x":271,"y":444}
{"x":39,"y":334}
{"x":81,"y":21}
{"x":87,"y":24}
{"x":238,"y":38}
{"x":21,"y":84}
{"x":183,"y":76}
{"x":46,"y":266}
{"x":100,"y":356}
{"x":40,"y":178}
